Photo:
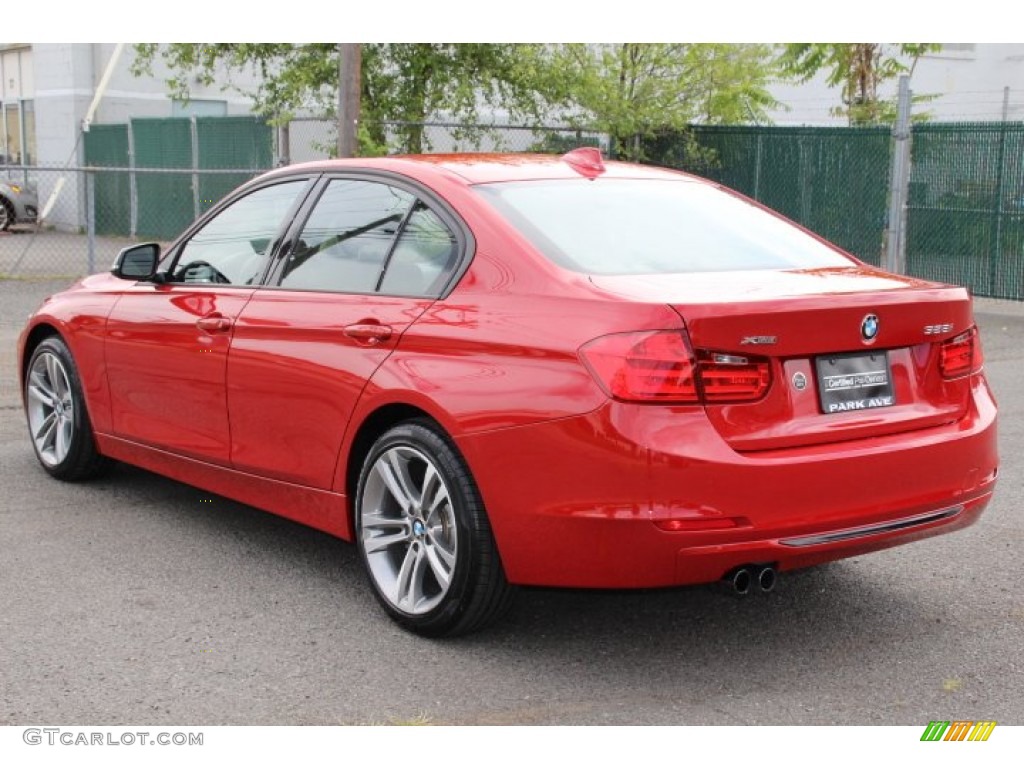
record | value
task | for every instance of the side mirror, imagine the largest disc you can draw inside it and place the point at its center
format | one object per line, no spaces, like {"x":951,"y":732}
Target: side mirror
{"x":138,"y":262}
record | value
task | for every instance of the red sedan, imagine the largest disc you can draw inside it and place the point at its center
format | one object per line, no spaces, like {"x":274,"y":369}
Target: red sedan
{"x":489,"y":371}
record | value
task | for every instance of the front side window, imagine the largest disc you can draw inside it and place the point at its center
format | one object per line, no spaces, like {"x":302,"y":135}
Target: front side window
{"x":233,"y":247}
{"x":634,"y":227}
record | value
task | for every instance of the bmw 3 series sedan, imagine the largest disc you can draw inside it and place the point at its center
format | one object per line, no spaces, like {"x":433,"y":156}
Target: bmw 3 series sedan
{"x":499,"y":370}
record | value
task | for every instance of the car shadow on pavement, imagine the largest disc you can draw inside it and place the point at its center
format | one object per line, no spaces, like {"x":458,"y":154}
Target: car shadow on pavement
{"x":812,"y":611}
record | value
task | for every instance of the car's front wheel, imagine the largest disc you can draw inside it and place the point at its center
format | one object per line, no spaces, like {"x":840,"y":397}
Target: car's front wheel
{"x":424,"y":537}
{"x":58,"y":421}
{"x":6,"y":215}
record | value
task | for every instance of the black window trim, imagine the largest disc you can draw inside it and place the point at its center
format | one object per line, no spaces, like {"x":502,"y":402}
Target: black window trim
{"x":399,"y":232}
{"x":464,"y":240}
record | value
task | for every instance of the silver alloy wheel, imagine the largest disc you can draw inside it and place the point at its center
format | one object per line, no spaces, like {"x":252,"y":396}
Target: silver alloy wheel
{"x":51,"y":409}
{"x":6,"y":215}
{"x":408,"y":530}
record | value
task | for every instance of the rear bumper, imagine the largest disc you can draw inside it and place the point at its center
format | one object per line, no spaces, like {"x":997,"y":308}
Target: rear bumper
{"x":578,"y":502}
{"x":710,"y":562}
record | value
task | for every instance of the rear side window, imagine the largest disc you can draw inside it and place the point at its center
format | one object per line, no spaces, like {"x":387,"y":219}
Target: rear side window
{"x":370,"y":237}
{"x":634,"y":227}
{"x":348,"y":237}
{"x":425,"y":252}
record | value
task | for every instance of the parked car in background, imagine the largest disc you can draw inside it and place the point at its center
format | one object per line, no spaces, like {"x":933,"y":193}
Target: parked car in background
{"x":499,"y":370}
{"x":18,"y":204}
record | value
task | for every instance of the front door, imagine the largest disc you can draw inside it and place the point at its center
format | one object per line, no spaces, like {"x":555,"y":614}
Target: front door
{"x":167,"y":343}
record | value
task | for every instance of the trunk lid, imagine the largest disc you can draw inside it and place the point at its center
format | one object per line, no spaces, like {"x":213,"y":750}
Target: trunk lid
{"x":811,"y":325}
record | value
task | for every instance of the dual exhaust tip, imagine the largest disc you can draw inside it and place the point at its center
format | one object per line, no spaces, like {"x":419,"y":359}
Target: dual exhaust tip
{"x":747,"y":577}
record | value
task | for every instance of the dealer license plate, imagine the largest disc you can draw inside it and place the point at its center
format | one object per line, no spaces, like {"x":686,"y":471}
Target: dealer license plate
{"x":854,"y":382}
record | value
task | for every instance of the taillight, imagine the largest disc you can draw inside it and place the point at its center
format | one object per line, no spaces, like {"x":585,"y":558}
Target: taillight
{"x":659,"y":366}
{"x":961,"y":354}
{"x":643,"y":367}
{"x":733,"y":378}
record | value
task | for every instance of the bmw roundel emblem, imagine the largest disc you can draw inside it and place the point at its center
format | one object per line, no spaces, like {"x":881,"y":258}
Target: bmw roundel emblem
{"x":869,"y":328}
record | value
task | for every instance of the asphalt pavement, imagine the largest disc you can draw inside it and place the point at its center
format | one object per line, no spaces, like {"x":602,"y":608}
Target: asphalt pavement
{"x":138,"y":600}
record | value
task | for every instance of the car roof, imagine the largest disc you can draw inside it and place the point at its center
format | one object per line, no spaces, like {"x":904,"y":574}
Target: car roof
{"x":485,"y":168}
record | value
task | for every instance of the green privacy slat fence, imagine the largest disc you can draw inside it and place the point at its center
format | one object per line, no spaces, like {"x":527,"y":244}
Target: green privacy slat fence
{"x":230,"y":142}
{"x":834,"y":181}
{"x":966,"y":206}
{"x":166,"y":203}
{"x":965,"y":214}
{"x":107,"y":145}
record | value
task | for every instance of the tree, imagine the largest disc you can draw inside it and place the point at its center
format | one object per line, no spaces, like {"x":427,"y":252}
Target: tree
{"x":859,"y":69}
{"x":634,"y":91}
{"x":403,"y":83}
{"x":631,"y":91}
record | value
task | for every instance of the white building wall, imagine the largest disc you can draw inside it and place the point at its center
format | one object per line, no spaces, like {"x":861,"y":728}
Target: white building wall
{"x":966,"y":79}
{"x":66,"y":76}
{"x":11,"y":87}
{"x":129,"y":96}
{"x":62,"y":81}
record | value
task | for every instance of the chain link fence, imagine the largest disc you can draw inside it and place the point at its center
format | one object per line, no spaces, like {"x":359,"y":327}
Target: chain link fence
{"x":965,"y":214}
{"x":834,"y":181}
{"x":91,"y":213}
{"x":147,"y":179}
{"x":150,"y":179}
{"x":61,"y":247}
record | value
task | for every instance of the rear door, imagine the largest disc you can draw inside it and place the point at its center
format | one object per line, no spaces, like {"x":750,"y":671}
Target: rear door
{"x":167,"y":344}
{"x":369,"y":260}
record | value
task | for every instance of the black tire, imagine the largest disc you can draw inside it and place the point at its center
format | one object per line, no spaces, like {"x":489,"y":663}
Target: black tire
{"x":6,"y":214}
{"x":53,"y":393}
{"x":451,"y":540}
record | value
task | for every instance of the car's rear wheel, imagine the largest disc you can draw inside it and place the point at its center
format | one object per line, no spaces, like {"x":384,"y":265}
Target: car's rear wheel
{"x":57,"y":418}
{"x":424,"y":537}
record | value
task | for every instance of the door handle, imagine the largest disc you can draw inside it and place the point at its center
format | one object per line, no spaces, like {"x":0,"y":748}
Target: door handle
{"x":213,"y":323}
{"x":368,"y":333}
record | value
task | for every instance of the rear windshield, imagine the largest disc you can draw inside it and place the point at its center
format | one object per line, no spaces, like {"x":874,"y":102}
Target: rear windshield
{"x":636,"y":227}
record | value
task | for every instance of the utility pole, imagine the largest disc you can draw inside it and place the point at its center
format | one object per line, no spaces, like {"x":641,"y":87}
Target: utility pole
{"x":995,"y":256}
{"x":349,"y":90}
{"x":899,"y":180}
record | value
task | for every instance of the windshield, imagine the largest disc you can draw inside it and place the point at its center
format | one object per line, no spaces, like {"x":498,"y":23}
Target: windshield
{"x":634,"y":227}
